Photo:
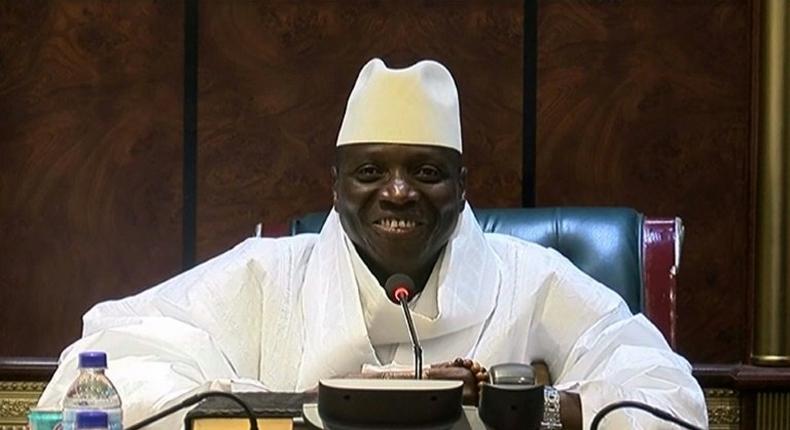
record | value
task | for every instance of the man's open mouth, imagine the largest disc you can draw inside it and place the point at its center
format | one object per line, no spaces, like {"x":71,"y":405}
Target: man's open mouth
{"x":395,"y":225}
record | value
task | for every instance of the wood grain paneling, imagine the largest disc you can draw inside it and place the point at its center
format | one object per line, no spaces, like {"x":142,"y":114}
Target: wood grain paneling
{"x":90,"y":153}
{"x":647,"y":104}
{"x":274,"y":78}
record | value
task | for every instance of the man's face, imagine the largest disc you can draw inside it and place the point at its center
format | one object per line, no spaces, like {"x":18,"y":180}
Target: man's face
{"x":399,"y":204}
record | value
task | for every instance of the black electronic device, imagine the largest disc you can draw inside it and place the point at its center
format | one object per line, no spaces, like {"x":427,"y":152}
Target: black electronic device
{"x":194,"y":399}
{"x":512,"y":374}
{"x":511,"y":400}
{"x":356,"y":404}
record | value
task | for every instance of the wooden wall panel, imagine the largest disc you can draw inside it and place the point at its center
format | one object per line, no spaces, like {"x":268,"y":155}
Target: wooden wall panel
{"x":90,"y":161}
{"x":274,"y":78}
{"x":647,"y":104}
{"x":640,"y":103}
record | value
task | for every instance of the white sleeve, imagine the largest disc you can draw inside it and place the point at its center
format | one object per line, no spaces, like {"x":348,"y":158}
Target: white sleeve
{"x":627,"y":361}
{"x":606,"y":354}
{"x":200,"y":330}
{"x":154,"y":364}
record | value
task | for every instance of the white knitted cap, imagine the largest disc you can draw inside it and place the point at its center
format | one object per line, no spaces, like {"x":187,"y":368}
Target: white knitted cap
{"x":417,"y":105}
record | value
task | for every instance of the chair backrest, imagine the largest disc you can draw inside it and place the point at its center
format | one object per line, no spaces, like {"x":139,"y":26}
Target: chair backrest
{"x":633,"y":255}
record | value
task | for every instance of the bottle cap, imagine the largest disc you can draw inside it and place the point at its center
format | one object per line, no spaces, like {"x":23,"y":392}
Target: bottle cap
{"x":93,"y":359}
{"x":92,"y":420}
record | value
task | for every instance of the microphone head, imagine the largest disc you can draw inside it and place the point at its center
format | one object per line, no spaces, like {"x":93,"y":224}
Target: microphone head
{"x":399,"y":286}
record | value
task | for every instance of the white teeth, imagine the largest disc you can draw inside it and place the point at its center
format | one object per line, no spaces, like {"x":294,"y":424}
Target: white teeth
{"x":394,"y":224}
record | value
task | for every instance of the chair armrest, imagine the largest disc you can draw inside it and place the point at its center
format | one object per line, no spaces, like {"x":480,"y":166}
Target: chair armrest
{"x":662,"y":239}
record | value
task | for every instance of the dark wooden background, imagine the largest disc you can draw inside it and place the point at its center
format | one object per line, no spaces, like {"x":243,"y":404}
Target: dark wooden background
{"x":642,"y":103}
{"x":648,"y":104}
{"x":90,"y":161}
{"x":275,"y":76}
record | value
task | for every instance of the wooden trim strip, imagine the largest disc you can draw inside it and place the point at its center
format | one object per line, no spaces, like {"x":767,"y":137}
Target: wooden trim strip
{"x":27,"y":368}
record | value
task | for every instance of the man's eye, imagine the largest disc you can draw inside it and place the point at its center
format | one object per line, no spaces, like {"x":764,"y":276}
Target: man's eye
{"x":428,"y":173}
{"x":368,"y":173}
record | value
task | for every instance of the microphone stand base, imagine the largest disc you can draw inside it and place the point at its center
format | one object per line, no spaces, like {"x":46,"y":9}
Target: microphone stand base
{"x":468,"y":421}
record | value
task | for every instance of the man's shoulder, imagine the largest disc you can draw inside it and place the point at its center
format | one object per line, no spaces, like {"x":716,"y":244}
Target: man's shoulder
{"x":503,"y":243}
{"x":530,"y":260}
{"x":529,"y":257}
{"x":269,"y":250}
{"x":297,"y":243}
{"x":237,"y":272}
{"x":253,"y":259}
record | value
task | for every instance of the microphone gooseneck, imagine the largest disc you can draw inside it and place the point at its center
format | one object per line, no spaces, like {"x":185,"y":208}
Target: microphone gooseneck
{"x":400,"y":288}
{"x":191,"y":400}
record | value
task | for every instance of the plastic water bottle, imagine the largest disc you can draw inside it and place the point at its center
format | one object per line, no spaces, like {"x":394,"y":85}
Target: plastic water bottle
{"x":92,"y":420}
{"x":92,"y":391}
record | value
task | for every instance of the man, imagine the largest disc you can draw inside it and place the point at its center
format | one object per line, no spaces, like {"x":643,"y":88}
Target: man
{"x":280,"y":314}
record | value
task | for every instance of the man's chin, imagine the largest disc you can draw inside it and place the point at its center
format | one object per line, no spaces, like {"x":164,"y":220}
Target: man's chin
{"x":401,"y":250}
{"x":402,"y":262}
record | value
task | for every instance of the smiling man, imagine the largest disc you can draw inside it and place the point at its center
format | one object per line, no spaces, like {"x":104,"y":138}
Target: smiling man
{"x":279,"y":314}
{"x":398,"y":204}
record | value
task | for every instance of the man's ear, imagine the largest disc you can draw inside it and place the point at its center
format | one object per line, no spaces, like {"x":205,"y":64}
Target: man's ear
{"x":333,"y":174}
{"x":462,"y":185}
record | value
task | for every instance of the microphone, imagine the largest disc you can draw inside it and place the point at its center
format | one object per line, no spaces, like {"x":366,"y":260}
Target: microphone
{"x":400,"y":288}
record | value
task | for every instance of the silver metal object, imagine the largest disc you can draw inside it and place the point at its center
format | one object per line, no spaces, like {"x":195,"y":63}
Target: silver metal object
{"x":551,"y":409}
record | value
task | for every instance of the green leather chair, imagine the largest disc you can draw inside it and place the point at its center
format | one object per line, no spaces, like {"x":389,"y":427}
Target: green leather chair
{"x":636,"y":256}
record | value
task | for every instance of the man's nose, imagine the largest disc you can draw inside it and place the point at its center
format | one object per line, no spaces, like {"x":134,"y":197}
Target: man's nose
{"x":399,"y":191}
